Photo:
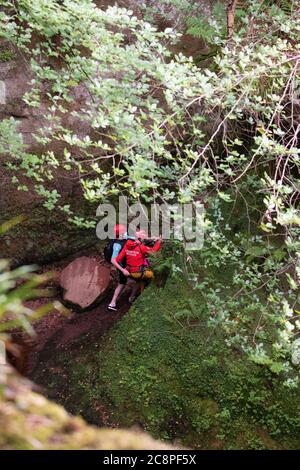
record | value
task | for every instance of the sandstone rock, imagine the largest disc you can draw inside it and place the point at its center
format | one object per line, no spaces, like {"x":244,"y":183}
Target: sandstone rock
{"x":85,"y":281}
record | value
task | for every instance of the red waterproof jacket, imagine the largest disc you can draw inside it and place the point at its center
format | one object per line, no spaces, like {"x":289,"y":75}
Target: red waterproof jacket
{"x":136,"y":253}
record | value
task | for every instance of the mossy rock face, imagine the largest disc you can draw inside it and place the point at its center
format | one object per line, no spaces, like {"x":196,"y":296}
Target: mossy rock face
{"x":28,"y":421}
{"x":44,"y":235}
{"x":41,"y":236}
{"x":162,"y":367}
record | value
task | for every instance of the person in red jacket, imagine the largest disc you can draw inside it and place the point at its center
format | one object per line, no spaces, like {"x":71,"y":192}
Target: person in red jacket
{"x":135,"y":253}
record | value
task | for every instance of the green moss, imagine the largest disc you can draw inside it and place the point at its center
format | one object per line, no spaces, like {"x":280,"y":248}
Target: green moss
{"x":44,"y":236}
{"x":6,"y":55}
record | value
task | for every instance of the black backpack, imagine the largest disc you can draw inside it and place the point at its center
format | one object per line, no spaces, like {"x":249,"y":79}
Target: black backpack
{"x":108,"y":249}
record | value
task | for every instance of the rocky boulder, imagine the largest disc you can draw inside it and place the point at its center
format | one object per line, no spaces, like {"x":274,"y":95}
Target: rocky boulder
{"x":85,"y":281}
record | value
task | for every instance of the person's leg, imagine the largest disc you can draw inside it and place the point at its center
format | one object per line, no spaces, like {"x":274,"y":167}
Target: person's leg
{"x":142,"y":286}
{"x":117,"y":292}
{"x":134,"y":292}
{"x":148,"y":275}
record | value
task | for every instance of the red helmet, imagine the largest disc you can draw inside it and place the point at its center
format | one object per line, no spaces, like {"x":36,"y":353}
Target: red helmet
{"x":119,"y":230}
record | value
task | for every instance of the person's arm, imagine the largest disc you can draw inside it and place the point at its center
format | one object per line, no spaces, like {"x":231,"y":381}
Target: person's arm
{"x":148,"y":249}
{"x":118,"y":266}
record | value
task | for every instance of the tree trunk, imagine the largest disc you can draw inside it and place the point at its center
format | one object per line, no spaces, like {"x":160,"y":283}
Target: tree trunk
{"x":231,"y":7}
